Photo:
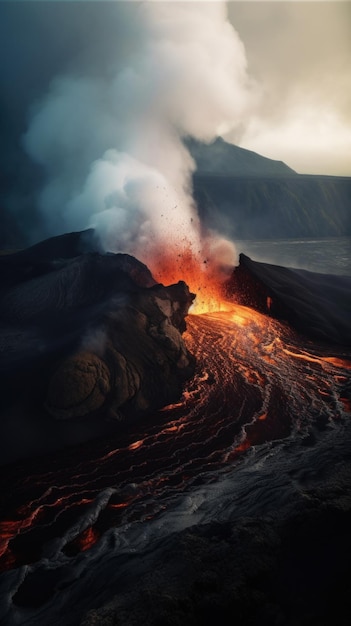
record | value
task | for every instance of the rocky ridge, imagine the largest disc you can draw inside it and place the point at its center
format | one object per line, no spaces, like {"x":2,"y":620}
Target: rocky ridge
{"x":85,"y":335}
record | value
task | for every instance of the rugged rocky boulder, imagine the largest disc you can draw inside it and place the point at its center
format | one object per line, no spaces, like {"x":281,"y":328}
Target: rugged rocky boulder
{"x":317,"y":305}
{"x":134,"y":361}
{"x":89,"y":335}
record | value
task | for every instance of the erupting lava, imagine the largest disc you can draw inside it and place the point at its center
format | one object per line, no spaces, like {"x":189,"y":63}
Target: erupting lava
{"x":203,"y":271}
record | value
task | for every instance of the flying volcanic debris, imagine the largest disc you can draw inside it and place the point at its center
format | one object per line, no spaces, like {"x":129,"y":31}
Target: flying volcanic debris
{"x":111,"y":141}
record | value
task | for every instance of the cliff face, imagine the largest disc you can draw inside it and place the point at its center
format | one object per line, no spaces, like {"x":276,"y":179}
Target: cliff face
{"x":86,"y":336}
{"x":243,"y":195}
{"x":262,"y":207}
{"x":247,"y":196}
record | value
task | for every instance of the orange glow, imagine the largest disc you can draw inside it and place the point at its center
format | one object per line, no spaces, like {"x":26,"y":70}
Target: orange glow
{"x":10,"y":528}
{"x":121,"y":505}
{"x":171,"y":429}
{"x":169,"y":407}
{"x":242,"y":447}
{"x":337,"y":362}
{"x":202,"y":275}
{"x":322,"y":359}
{"x":136,"y":444}
{"x":248,"y":363}
{"x":87,"y":539}
{"x":346,"y":404}
{"x":245,"y":445}
{"x":244,"y":317}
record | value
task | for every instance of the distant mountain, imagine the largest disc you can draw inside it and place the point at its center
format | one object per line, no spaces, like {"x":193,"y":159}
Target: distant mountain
{"x":246,"y":196}
{"x":220,"y":157}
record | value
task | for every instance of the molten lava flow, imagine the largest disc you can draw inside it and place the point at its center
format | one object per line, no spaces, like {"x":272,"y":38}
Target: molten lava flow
{"x":201,"y":271}
{"x":255,"y":382}
{"x":83,"y":542}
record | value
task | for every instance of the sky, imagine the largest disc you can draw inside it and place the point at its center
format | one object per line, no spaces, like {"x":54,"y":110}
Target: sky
{"x":273,"y":77}
{"x":300,"y":55}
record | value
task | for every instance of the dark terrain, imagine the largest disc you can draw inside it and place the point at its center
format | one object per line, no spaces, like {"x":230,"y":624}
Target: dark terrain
{"x":158,"y":467}
{"x":246,"y":196}
{"x":84,"y":336}
{"x":232,"y":503}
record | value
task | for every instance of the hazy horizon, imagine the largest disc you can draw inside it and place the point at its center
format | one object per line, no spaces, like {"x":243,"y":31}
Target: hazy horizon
{"x":300,"y":55}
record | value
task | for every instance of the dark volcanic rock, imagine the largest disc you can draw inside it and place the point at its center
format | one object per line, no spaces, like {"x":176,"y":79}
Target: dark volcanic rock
{"x":274,"y":206}
{"x":88,"y":335}
{"x":244,"y":195}
{"x":290,"y":567}
{"x":226,"y":159}
{"x":140,"y":359}
{"x":318,"y":305}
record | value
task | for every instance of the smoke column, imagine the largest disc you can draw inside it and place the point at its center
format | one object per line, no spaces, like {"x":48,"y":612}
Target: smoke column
{"x":111,"y":141}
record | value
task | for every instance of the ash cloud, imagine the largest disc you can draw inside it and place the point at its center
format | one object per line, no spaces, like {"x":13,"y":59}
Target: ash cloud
{"x":110,"y":138}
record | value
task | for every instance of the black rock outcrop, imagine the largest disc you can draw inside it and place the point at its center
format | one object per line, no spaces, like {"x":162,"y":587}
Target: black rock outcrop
{"x":318,"y":305}
{"x":85,"y":335}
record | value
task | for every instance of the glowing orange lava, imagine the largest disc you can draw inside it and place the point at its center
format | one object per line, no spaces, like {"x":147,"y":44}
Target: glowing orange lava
{"x":254,"y":382}
{"x":87,"y":539}
{"x":136,"y":445}
{"x":244,"y":317}
{"x":202,"y":274}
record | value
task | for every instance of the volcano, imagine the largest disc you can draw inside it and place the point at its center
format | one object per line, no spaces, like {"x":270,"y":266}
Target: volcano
{"x":165,"y":466}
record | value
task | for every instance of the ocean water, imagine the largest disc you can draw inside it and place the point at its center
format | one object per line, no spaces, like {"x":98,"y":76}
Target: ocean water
{"x":328,"y":255}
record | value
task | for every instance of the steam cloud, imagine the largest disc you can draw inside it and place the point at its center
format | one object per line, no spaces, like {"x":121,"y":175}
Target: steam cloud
{"x":111,"y":138}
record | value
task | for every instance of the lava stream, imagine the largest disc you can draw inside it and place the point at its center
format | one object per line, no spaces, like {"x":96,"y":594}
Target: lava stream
{"x":255,"y":382}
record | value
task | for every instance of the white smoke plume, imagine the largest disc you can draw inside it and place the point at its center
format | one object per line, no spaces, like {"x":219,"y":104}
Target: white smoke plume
{"x":111,"y":139}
